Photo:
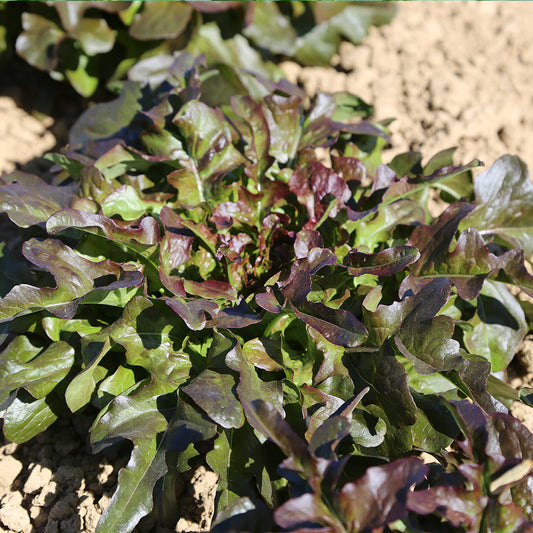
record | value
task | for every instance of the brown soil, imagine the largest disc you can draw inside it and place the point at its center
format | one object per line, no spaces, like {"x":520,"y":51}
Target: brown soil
{"x":453,"y":74}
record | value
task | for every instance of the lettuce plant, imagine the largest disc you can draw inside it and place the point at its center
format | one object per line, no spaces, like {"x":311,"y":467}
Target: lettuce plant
{"x":93,"y":43}
{"x":247,"y":286}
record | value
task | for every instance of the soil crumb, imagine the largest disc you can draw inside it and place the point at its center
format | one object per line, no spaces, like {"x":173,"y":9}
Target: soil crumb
{"x":54,"y":484}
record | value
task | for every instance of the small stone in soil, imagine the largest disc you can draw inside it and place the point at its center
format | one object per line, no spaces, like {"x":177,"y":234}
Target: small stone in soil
{"x":13,"y":515}
{"x":46,"y":497}
{"x":39,"y":476}
{"x":11,"y":468}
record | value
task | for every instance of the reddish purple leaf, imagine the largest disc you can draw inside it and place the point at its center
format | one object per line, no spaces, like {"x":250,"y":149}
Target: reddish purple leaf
{"x":380,"y":496}
{"x":28,"y":200}
{"x":210,"y":289}
{"x":337,"y":325}
{"x":213,"y":392}
{"x":147,"y":232}
{"x":192,"y":311}
{"x":384,"y":263}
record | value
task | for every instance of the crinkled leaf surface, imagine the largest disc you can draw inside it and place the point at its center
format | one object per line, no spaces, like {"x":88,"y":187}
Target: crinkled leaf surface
{"x":38,"y":376}
{"x":389,"y":384}
{"x":213,"y":392}
{"x":251,"y":387}
{"x":29,"y":200}
{"x":337,"y":325}
{"x":160,"y":20}
{"x":75,"y":277}
{"x":39,"y":36}
{"x":149,"y":337}
{"x":210,"y":152}
{"x":283,"y":118}
{"x":229,"y":209}
{"x":504,"y":196}
{"x":146,"y":232}
{"x":26,"y":417}
{"x":384,"y":263}
{"x":380,"y":496}
{"x":138,"y":418}
{"x":259,"y":142}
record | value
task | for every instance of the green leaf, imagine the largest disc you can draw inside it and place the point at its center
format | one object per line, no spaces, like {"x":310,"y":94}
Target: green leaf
{"x":126,"y":202}
{"x":388,"y":382}
{"x":269,"y":29}
{"x":425,"y":339}
{"x":257,"y":137}
{"x":94,"y":35}
{"x":40,"y":375}
{"x":25,"y":418}
{"x":504,"y":200}
{"x":81,"y":389}
{"x":350,"y":106}
{"x":236,"y":478}
{"x":210,"y":153}
{"x":39,"y":38}
{"x":498,"y":326}
{"x":235,"y":54}
{"x":138,"y":418}
{"x":380,"y":227}
{"x":116,"y":384}
{"x":283,"y":115}
{"x":250,"y":386}
{"x":149,"y":337}
{"x":160,"y":20}
{"x":80,"y":79}
{"x":104,"y":120}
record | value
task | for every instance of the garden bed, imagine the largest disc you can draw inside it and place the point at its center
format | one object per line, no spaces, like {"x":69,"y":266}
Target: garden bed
{"x":451,"y":74}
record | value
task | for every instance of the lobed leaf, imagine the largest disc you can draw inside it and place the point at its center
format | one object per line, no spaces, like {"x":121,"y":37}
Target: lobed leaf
{"x":384,"y":263}
{"x":337,"y":325}
{"x":40,"y":375}
{"x":380,"y":496}
{"x":503,"y":203}
{"x":263,"y":417}
{"x":28,"y":200}
{"x":147,"y":232}
{"x":213,"y":392}
{"x":75,"y":277}
{"x":160,"y":20}
{"x":210,"y":153}
{"x":25,"y":418}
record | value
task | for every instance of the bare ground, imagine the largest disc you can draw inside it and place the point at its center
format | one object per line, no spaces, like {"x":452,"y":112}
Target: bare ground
{"x":452,"y":73}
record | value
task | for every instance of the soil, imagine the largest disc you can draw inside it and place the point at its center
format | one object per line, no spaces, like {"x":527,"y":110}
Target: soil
{"x":452,"y":74}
